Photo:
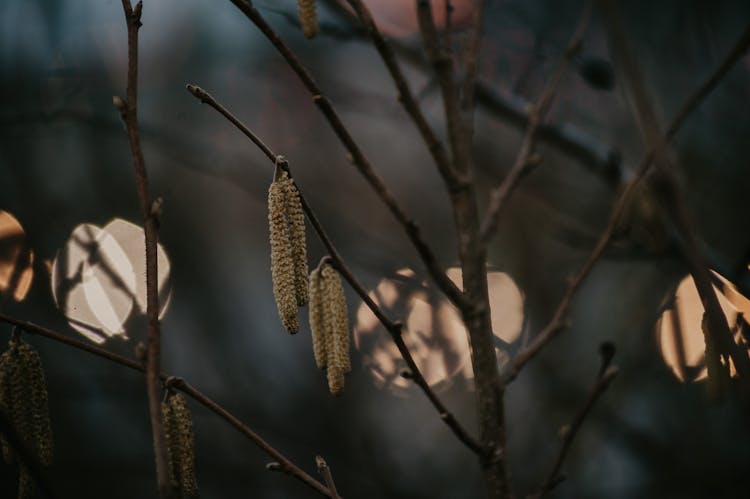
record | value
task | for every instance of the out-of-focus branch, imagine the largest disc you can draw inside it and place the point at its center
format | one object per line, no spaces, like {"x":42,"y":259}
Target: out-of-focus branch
{"x":718,"y":335}
{"x":514,"y":110}
{"x":394,"y":328}
{"x":568,"y":432}
{"x":284,"y":463}
{"x":405,"y":95}
{"x":558,"y":321}
{"x":128,"y":109}
{"x":358,"y":158}
{"x":526,"y":158}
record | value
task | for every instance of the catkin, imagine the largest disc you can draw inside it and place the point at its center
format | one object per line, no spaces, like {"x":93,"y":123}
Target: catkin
{"x":282,"y":261}
{"x":24,"y":401}
{"x":317,"y":325}
{"x":330,"y":326}
{"x":178,"y":429}
{"x":296,"y":220}
{"x":308,"y":17}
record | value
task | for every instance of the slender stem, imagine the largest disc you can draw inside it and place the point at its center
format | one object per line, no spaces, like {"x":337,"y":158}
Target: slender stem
{"x":151,"y":230}
{"x":570,"y":431}
{"x":325,"y":471}
{"x":394,"y":328}
{"x":558,"y":321}
{"x":525,"y":158}
{"x":285,"y":464}
{"x":358,"y":158}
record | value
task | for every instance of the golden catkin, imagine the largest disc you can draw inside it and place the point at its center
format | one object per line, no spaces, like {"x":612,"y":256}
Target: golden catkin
{"x":180,"y":444}
{"x":337,"y":329}
{"x":317,"y":324}
{"x":39,"y":405}
{"x":282,"y":262}
{"x":24,"y":401}
{"x":296,"y":220}
{"x":308,"y":17}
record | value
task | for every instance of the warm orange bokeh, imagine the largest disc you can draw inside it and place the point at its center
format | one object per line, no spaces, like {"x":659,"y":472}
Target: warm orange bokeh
{"x":679,"y":329}
{"x":399,"y":17}
{"x":434,"y":333}
{"x":16,"y":259}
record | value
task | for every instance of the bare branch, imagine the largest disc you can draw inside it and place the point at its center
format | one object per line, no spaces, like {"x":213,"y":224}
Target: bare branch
{"x":358,"y":158}
{"x":151,"y":229}
{"x":405,"y":95}
{"x":558,"y":321}
{"x":394,"y":328}
{"x":569,"y":432}
{"x":284,"y":463}
{"x":525,"y":158}
{"x":325,"y":471}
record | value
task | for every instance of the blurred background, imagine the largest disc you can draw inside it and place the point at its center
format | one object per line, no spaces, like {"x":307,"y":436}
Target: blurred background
{"x":70,"y":235}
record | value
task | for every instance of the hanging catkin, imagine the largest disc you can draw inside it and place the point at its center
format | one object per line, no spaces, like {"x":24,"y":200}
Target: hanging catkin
{"x":282,"y":261}
{"x":296,"y":220}
{"x":317,"y":326}
{"x":330,"y":326}
{"x":23,"y":400}
{"x":308,"y":17}
{"x":178,"y":429}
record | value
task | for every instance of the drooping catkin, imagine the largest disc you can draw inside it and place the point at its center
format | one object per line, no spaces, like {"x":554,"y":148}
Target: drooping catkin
{"x":282,"y":261}
{"x":178,"y":426}
{"x":330,"y":326}
{"x":24,"y":402}
{"x":308,"y":17}
{"x":296,"y":220}
{"x":317,"y":325}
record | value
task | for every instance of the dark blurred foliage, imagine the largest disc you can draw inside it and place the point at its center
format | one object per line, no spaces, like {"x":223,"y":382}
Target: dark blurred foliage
{"x":64,"y":160}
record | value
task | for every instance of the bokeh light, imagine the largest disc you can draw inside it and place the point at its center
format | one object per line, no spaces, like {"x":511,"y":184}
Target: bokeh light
{"x":434,"y":333}
{"x":98,"y":279}
{"x":16,"y":259}
{"x":679,"y":329}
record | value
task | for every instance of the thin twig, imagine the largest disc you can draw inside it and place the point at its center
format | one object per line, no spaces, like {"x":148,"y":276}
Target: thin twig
{"x":358,"y":158}
{"x":394,"y":328}
{"x":558,"y":322}
{"x":526,"y":158}
{"x":285,"y":464}
{"x":471,"y":58}
{"x":405,"y":95}
{"x":151,"y":229}
{"x":569,"y":432}
{"x":325,"y":471}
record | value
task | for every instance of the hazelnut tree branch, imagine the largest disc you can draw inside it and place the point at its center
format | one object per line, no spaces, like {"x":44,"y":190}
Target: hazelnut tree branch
{"x":490,"y":402}
{"x":325,"y":471}
{"x":558,"y":321}
{"x":526,"y":158}
{"x":357,"y":157}
{"x":568,"y":432}
{"x":284,"y":464}
{"x":128,"y":110}
{"x":405,"y":96}
{"x":394,"y":328}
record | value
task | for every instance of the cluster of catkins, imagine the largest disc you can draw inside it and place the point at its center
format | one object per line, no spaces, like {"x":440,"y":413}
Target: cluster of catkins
{"x":288,"y":249}
{"x":308,"y":17}
{"x":178,"y":429}
{"x":23,"y":404}
{"x":292,"y":288}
